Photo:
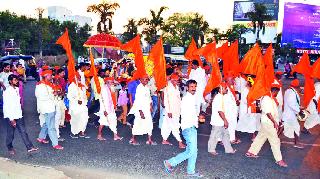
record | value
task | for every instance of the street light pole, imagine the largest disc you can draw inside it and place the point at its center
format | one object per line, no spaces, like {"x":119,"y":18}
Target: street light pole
{"x":40,"y":12}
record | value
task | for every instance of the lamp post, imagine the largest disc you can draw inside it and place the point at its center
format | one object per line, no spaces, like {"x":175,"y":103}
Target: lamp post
{"x":40,"y":12}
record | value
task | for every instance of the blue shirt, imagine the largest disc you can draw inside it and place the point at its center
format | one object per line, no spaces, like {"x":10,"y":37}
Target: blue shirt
{"x":132,"y":87}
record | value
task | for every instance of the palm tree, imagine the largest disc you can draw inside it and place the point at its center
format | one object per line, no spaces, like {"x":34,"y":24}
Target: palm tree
{"x":131,"y":30}
{"x":153,"y":25}
{"x":106,"y":11}
{"x":257,"y":16}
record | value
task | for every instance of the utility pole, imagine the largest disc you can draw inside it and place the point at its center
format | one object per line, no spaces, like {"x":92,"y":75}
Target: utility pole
{"x":40,"y":12}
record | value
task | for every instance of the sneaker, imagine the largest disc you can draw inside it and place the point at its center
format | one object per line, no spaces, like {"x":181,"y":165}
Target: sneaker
{"x":33,"y":149}
{"x":58,"y":147}
{"x":42,"y":141}
{"x":196,"y":175}
{"x":74,"y":136}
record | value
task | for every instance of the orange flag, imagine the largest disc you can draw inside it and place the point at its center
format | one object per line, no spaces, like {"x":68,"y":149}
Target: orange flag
{"x":309,"y":90}
{"x":210,"y":53}
{"x":303,"y":66}
{"x":268,"y":60}
{"x":157,"y":56}
{"x":222,"y":51}
{"x":249,"y":64}
{"x":316,"y":69}
{"x":64,"y":41}
{"x":134,"y":46}
{"x":231,"y":59}
{"x":306,"y":70}
{"x":260,"y":87}
{"x":93,"y":72}
{"x":191,"y":56}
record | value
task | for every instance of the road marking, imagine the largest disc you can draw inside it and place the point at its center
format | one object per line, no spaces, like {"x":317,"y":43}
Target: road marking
{"x":284,"y":142}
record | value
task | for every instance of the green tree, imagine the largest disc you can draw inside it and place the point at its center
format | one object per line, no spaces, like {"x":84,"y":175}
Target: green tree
{"x":257,"y":16}
{"x":179,"y":28}
{"x":131,"y":30}
{"x":152,"y":26}
{"x":106,"y":11}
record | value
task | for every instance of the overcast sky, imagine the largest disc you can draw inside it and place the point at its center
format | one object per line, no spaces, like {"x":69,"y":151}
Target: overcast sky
{"x":217,"y":12}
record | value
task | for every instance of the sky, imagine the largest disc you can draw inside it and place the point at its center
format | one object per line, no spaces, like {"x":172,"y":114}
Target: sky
{"x":218,"y":13}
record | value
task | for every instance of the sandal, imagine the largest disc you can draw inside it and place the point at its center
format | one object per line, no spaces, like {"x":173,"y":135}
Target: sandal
{"x":33,"y":149}
{"x":167,"y":167}
{"x":233,"y":152}
{"x":150,"y":142}
{"x":166,"y":142}
{"x":117,"y":138}
{"x":214,"y":153}
{"x":101,"y":138}
{"x":281,"y":163}
{"x":251,"y":155}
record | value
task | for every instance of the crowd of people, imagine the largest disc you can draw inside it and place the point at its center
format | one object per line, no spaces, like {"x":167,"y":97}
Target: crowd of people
{"x":178,"y":108}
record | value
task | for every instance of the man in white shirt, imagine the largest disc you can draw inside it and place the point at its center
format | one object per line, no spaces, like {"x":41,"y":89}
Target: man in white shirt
{"x":4,"y":82}
{"x":141,"y":109}
{"x":45,"y":95}
{"x":172,"y":103}
{"x":314,"y":117}
{"x":154,"y":97}
{"x":199,"y":75}
{"x":12,"y":113}
{"x":189,"y":125}
{"x":291,"y":109}
{"x":269,"y":128}
{"x":219,"y":121}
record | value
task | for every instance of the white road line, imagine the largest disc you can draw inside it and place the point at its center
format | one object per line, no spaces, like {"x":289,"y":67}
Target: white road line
{"x":284,"y":142}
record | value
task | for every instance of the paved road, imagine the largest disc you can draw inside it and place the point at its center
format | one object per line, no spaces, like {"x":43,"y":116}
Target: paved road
{"x":89,"y":158}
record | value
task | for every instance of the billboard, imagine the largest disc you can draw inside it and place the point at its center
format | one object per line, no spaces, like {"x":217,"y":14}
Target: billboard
{"x":239,"y":17}
{"x":301,"y":25}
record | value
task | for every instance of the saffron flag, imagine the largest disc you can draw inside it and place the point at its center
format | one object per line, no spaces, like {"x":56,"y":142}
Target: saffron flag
{"x":134,"y":46}
{"x":93,"y":72}
{"x":157,"y":56}
{"x":64,"y":41}
{"x":249,"y":64}
{"x":222,"y":51}
{"x":209,"y":52}
{"x":231,"y":59}
{"x":316,"y":69}
{"x":191,"y":56}
{"x":268,"y":61}
{"x":260,"y":87}
{"x":306,"y":70}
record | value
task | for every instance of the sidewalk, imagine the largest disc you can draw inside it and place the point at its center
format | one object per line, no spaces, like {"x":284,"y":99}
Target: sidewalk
{"x":11,"y":169}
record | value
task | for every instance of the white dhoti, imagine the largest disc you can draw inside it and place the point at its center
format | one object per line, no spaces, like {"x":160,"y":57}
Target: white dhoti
{"x":110,"y":120}
{"x":290,"y":127}
{"x":314,"y":118}
{"x":248,"y":122}
{"x":79,"y":119}
{"x":142,"y":126}
{"x":170,"y":125}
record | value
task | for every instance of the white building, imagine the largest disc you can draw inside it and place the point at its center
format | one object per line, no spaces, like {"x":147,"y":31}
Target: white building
{"x":63,"y":14}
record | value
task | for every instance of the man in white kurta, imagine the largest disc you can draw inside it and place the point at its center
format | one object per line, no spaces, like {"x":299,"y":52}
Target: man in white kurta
{"x":231,"y":111}
{"x":269,"y":129}
{"x":78,"y":109}
{"x":291,"y":109}
{"x":172,"y":103}
{"x":279,"y":97}
{"x":142,"y":111}
{"x":199,"y":75}
{"x":107,"y":113}
{"x":314,"y":118}
{"x":248,"y":122}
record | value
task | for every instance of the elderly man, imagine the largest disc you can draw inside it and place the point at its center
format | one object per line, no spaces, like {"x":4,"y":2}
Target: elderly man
{"x":189,"y":125}
{"x":269,"y":128}
{"x":45,"y":95}
{"x":141,"y":109}
{"x":291,"y":109}
{"x":78,"y":109}
{"x":172,"y":103}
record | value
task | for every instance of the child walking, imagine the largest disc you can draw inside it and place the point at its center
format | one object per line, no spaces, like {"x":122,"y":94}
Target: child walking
{"x":123,"y":102}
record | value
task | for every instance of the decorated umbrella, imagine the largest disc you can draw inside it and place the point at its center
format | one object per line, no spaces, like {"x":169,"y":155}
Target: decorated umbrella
{"x":103,"y":40}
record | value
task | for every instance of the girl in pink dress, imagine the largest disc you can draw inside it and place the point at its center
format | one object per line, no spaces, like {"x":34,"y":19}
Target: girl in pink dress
{"x":123,"y":102}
